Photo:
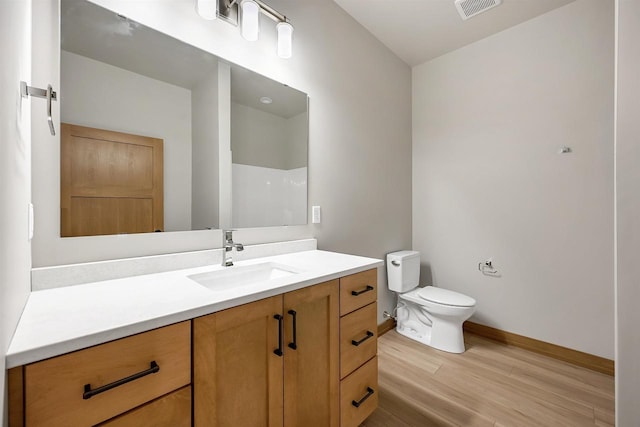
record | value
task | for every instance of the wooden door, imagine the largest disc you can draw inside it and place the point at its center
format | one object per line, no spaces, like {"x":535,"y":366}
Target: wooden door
{"x":311,"y":371}
{"x":237,"y":376}
{"x":111,"y":182}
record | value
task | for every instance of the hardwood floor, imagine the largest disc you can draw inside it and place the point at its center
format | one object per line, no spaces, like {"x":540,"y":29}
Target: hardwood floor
{"x":491,"y":384}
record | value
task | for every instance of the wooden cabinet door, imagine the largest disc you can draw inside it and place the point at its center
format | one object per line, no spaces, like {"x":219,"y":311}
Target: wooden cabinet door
{"x":237,"y":376}
{"x":311,"y":371}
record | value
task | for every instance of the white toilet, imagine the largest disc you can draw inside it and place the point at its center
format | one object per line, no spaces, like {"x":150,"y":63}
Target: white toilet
{"x":430,"y":315}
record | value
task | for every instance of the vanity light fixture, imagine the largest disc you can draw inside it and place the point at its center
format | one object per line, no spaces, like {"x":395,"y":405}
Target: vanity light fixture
{"x":207,"y":9}
{"x":249,"y":11}
{"x":285,"y":39}
{"x":250,"y":14}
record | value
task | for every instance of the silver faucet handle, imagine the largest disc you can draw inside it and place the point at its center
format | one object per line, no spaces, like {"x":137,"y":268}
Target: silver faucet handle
{"x":228,"y":235}
{"x":228,"y":245}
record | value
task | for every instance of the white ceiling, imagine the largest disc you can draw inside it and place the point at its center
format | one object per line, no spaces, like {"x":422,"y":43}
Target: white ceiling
{"x":420,"y":30}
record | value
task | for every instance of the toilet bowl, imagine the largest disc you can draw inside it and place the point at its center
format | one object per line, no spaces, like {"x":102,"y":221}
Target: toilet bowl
{"x":430,"y":315}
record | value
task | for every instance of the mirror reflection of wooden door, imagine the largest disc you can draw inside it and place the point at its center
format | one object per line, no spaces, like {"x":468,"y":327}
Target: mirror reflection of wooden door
{"x":111,"y":182}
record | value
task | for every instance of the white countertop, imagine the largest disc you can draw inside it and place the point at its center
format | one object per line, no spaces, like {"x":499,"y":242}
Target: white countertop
{"x":57,"y":321}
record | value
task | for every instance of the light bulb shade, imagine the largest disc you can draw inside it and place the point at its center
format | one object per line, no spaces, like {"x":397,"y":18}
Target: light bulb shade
{"x":207,"y":9}
{"x":250,"y":20}
{"x":285,"y":39}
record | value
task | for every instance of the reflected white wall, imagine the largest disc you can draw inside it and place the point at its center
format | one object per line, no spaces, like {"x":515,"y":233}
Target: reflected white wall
{"x":267,"y":196}
{"x":204,"y":153}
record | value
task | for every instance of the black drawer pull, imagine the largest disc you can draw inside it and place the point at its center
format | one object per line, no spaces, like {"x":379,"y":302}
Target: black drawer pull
{"x":357,"y":343}
{"x":278,"y":350}
{"x":293,"y":344}
{"x":88,"y":393}
{"x":367,"y":289}
{"x":365,"y":397}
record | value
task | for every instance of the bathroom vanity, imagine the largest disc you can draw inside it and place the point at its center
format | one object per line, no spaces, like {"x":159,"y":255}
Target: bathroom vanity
{"x":171,"y":349}
{"x":280,"y":338}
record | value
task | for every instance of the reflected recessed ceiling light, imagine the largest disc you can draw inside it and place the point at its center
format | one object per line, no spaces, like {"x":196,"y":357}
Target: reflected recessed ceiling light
{"x":266,"y":100}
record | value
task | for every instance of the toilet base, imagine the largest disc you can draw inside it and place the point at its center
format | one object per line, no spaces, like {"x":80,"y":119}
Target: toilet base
{"x":454,"y":343}
{"x":422,"y":336}
{"x":435,"y":330}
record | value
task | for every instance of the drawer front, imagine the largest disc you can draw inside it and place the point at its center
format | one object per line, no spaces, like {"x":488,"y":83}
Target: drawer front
{"x":172,"y":410}
{"x":358,"y":338}
{"x":54,"y":388}
{"x":359,"y":394}
{"x":358,"y":290}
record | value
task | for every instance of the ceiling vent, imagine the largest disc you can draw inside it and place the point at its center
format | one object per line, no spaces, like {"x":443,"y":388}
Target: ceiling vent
{"x":469,"y":8}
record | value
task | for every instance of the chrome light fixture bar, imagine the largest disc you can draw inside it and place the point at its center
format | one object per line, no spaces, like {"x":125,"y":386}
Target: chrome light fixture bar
{"x":228,"y":11}
{"x":249,"y":12}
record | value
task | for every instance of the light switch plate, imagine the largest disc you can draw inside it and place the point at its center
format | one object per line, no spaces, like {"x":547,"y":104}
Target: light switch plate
{"x":316,"y":215}
{"x":31,"y":220}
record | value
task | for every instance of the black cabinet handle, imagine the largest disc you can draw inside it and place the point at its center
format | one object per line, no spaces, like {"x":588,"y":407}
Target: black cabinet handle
{"x":293,"y":344}
{"x":88,"y":393}
{"x":278,"y":350}
{"x":365,"y":397}
{"x":357,"y":343}
{"x":367,"y":289}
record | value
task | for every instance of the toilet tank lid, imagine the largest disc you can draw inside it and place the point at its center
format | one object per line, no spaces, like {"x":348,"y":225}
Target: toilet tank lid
{"x":446,"y":297}
{"x":403,"y":255}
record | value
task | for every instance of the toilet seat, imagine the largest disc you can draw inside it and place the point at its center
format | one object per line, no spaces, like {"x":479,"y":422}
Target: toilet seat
{"x":445,"y":297}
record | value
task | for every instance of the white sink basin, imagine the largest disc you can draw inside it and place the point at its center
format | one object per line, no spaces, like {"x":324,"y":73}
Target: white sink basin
{"x":241,"y":276}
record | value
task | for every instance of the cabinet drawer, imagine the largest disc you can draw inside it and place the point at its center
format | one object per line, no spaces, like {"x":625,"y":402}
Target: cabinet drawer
{"x":358,"y":290}
{"x":54,"y":387}
{"x":358,"y":338}
{"x":359,"y":394}
{"x":172,"y":410}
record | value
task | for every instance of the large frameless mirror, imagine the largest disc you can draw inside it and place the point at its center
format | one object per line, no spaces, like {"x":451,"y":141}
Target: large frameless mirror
{"x":159,"y":136}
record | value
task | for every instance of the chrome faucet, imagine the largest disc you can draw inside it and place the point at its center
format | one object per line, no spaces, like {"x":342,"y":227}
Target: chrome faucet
{"x":228,"y":245}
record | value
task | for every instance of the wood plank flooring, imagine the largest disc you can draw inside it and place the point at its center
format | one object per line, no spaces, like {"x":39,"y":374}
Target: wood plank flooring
{"x":491,"y":384}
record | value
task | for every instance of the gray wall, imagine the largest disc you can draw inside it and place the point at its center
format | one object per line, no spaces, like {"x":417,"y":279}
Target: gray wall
{"x":359,"y":142}
{"x":15,"y":173}
{"x":628,"y":214}
{"x":488,"y":122}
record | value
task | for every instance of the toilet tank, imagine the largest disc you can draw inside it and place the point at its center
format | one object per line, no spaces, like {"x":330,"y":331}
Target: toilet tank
{"x":403,"y":270}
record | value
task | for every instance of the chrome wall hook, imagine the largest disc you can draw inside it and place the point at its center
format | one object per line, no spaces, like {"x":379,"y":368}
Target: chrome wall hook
{"x":49,"y":94}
